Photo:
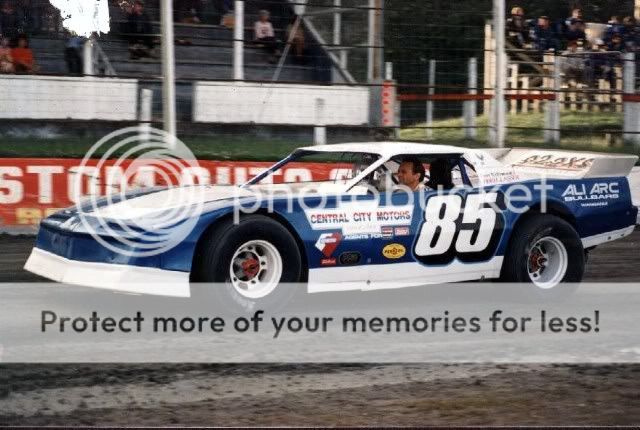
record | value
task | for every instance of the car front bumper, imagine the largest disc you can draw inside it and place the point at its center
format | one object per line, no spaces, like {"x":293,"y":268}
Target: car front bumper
{"x":116,"y":277}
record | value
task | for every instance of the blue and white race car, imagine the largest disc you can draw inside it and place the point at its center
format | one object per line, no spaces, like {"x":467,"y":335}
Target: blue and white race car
{"x":520,"y":215}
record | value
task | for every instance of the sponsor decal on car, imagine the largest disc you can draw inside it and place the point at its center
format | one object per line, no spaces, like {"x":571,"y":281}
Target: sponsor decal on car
{"x":328,"y":262}
{"x":328,"y":242}
{"x":350,"y":258}
{"x":387,"y":232}
{"x":550,"y":160}
{"x":354,"y":219}
{"x":501,"y":175}
{"x":394,"y":251}
{"x":402,"y":231}
{"x":596,"y":195}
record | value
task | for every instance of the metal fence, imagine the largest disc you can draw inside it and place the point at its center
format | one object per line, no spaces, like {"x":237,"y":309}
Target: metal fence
{"x":339,"y":70}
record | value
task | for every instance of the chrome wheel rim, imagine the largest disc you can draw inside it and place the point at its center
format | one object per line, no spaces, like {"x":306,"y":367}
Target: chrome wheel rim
{"x":256,"y":269}
{"x":547,"y":262}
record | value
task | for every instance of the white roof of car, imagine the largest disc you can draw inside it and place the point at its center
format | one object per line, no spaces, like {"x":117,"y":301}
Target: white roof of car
{"x":389,"y":149}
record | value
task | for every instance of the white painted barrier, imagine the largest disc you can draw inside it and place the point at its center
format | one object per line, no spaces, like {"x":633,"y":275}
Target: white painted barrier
{"x":80,"y":98}
{"x":246,"y":102}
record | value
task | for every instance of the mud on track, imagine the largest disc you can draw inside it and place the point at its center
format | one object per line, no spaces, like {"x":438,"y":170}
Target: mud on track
{"x":197,"y":394}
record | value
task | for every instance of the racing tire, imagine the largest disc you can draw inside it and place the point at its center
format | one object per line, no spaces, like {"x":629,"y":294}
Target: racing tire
{"x":545,"y":258}
{"x":249,"y":266}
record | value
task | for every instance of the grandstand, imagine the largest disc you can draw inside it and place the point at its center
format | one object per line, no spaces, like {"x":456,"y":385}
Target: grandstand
{"x":204,"y":52}
{"x":338,"y":84}
{"x":208,"y":54}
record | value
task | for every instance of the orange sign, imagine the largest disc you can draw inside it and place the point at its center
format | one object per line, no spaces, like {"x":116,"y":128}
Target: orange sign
{"x":33,"y":188}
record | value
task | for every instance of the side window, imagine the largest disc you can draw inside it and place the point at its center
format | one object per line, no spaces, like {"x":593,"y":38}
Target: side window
{"x":469,"y":170}
{"x":441,"y":170}
{"x":456,"y":176}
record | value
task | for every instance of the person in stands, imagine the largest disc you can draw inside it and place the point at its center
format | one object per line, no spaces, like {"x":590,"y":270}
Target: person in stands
{"x":139,"y":29}
{"x":265,"y":35}
{"x":576,"y":31}
{"x":544,"y":37}
{"x":6,"y":60}
{"x":73,"y":54}
{"x":11,"y":22}
{"x":631,"y":34}
{"x":614,"y":26}
{"x":22,"y":56}
{"x":576,"y":14}
{"x":517,"y":28}
{"x":295,"y":36}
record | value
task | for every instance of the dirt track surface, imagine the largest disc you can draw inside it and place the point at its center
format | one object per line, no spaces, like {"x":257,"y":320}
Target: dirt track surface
{"x":196,"y":394}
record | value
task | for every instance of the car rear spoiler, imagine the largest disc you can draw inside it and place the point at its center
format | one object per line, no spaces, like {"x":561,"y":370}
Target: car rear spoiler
{"x":565,"y":164}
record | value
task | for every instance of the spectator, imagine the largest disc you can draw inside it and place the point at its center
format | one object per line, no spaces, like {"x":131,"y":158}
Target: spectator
{"x":614,"y":26}
{"x":576,"y":14}
{"x":576,"y":31}
{"x":22,"y":56}
{"x":296,"y":39}
{"x":517,"y":29}
{"x":616,"y":44}
{"x":544,"y":37}
{"x":265,"y":35}
{"x":188,"y":11}
{"x":600,"y":64}
{"x":139,"y":30}
{"x":572,"y":62}
{"x":631,"y":34}
{"x":34,"y":13}
{"x":11,"y":22}
{"x":224,"y":9}
{"x":228,"y":6}
{"x":73,"y":54}
{"x":6,"y":60}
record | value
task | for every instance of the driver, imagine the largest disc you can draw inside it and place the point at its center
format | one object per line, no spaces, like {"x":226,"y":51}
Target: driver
{"x":411,"y":174}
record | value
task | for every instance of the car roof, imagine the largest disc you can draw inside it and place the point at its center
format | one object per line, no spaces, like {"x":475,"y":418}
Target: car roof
{"x":388,"y":149}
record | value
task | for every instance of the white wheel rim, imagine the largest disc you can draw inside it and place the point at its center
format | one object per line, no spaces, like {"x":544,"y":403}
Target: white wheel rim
{"x":255,"y":269}
{"x":547,"y":262}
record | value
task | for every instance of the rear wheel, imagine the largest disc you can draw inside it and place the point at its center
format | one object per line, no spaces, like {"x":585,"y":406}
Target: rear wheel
{"x":545,"y":257}
{"x":249,"y":266}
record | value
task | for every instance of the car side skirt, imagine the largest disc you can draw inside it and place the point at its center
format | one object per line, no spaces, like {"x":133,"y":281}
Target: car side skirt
{"x":412,"y":274}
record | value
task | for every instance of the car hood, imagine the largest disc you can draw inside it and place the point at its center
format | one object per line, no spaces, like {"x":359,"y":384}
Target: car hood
{"x":168,"y":199}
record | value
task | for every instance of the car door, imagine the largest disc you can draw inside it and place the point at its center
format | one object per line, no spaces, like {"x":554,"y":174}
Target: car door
{"x":452,"y":236}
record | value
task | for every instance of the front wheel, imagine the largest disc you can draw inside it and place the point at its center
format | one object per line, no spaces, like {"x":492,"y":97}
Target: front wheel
{"x":545,"y":257}
{"x":249,"y":266}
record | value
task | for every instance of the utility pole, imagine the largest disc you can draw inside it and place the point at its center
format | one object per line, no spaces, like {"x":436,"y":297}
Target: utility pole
{"x":500,"y":120}
{"x":168,"y":70}
{"x":375,"y":42}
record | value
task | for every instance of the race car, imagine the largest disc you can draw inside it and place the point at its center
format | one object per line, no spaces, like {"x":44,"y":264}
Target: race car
{"x":527,"y":216}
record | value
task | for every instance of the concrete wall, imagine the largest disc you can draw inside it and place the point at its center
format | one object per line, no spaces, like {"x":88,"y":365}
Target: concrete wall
{"x":79,"y":98}
{"x":226,"y":102}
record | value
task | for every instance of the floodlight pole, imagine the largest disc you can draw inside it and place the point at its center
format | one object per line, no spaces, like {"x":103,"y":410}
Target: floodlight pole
{"x":499,"y":23}
{"x":238,"y":41}
{"x":168,"y":69}
{"x":375,"y":50}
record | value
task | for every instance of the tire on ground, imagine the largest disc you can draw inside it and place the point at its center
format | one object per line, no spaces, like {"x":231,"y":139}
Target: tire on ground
{"x":217,"y":249}
{"x":515,"y":267}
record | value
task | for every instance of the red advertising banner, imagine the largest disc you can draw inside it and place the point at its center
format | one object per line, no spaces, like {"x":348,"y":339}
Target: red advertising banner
{"x":33,"y":188}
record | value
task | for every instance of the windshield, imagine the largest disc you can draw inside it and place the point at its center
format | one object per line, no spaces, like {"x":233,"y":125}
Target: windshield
{"x":317,"y":167}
